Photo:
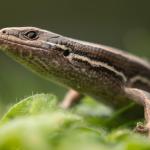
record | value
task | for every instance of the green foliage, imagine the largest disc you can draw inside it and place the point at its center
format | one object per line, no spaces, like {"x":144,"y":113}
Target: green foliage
{"x":37,"y":123}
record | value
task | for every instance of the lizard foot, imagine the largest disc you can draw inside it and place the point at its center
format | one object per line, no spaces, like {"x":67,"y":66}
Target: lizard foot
{"x":141,"y":128}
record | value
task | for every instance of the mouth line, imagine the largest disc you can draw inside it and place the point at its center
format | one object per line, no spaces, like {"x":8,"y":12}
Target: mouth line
{"x":11,"y":42}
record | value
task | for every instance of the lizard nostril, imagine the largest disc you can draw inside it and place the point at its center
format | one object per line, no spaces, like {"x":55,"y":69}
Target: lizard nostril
{"x":4,"y":31}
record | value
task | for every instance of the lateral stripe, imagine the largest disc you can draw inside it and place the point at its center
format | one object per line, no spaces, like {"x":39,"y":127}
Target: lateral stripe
{"x":97,"y":64}
{"x":139,"y":78}
{"x":84,"y":56}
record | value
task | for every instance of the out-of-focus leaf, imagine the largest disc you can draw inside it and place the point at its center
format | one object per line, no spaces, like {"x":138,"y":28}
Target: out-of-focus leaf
{"x":36,"y":104}
{"x":37,"y":123}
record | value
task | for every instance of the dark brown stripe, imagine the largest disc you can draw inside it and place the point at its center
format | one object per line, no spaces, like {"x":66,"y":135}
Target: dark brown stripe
{"x":120,"y":63}
{"x":141,"y":85}
{"x":100,"y":69}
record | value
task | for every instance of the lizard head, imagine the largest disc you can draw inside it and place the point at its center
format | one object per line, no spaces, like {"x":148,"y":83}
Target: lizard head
{"x":68,"y":61}
{"x":39,"y":50}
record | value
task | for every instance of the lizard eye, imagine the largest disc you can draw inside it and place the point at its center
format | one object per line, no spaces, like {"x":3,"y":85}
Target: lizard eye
{"x":31,"y":35}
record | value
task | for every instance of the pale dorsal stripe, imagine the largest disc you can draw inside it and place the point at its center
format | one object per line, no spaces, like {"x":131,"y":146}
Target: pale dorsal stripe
{"x":125,"y":54}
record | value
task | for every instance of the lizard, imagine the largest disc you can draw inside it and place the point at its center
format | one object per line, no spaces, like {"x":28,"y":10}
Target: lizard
{"x":108,"y":74}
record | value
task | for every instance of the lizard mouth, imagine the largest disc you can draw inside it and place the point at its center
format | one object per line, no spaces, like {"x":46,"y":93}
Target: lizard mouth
{"x":24,"y":53}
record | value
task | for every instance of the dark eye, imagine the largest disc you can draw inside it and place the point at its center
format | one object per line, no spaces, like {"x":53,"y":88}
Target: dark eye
{"x":66,"y":53}
{"x":32,"y":35}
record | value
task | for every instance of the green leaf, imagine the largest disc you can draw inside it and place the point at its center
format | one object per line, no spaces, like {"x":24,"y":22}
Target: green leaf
{"x":37,"y":123}
{"x":31,"y":123}
{"x":33,"y":105}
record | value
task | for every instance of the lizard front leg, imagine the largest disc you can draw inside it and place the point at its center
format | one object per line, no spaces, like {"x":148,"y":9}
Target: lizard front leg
{"x":72,"y":98}
{"x":143,"y":98}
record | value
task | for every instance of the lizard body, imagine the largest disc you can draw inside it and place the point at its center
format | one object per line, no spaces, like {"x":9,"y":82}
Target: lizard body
{"x":110,"y":75}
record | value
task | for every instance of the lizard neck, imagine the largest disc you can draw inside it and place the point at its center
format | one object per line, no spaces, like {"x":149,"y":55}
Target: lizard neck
{"x":130,"y":70}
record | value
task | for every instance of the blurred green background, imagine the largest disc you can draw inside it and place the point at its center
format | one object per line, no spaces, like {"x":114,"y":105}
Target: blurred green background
{"x":124,"y":24}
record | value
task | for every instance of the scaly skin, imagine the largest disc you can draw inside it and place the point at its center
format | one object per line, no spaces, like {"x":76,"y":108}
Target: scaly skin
{"x":91,"y":69}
